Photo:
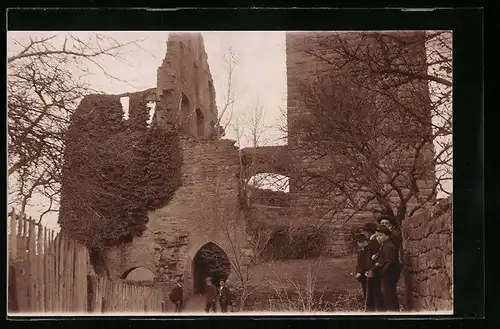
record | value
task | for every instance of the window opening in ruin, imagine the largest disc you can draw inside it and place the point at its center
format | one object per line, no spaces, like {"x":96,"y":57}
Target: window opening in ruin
{"x":211,"y":96}
{"x":125,"y":101}
{"x":200,"y":123}
{"x":200,"y":49}
{"x":209,"y":261}
{"x":138,"y":274}
{"x":152,"y":109}
{"x":196,"y":79}
{"x":166,"y":96}
{"x":185,"y":111}
{"x":181,"y":59}
{"x":268,"y":189}
{"x":271,"y":181}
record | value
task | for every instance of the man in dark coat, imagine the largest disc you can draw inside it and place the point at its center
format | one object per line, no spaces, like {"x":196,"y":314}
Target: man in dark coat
{"x":210,"y":296}
{"x":224,"y":296}
{"x":361,"y":262}
{"x":395,"y":235}
{"x":387,"y":268}
{"x":177,"y":296}
{"x":374,"y":300}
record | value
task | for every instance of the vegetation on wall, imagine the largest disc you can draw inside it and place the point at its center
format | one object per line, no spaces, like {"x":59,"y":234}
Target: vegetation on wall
{"x":114,"y":172}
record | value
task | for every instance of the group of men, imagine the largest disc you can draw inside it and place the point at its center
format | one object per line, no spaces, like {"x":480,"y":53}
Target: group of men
{"x":378,"y":266}
{"x":212,"y":294}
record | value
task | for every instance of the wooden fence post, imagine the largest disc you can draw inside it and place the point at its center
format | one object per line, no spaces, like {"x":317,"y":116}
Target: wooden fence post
{"x":12,"y":291}
{"x":46,"y":278}
{"x":31,"y":267}
{"x":60,"y":266}
{"x":13,"y":236}
{"x":26,"y":240}
{"x":51,"y":268}
{"x":39,"y":265}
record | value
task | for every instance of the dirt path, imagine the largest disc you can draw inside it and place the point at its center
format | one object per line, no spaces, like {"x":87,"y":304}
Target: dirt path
{"x":195,"y":304}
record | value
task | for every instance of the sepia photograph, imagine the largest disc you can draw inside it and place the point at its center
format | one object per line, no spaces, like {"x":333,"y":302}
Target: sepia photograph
{"x":172,"y":173}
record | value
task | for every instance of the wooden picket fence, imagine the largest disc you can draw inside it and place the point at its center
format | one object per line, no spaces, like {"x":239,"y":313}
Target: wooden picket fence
{"x":55,"y":268}
{"x":52,"y":274}
{"x":107,"y":296}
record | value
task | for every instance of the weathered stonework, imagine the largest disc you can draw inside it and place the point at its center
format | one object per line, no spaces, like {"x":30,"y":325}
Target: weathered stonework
{"x":209,"y":194}
{"x":185,"y":90}
{"x":207,"y":199}
{"x":429,"y":257}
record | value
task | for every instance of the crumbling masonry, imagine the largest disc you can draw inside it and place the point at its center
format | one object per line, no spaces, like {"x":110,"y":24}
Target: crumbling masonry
{"x":210,"y":188}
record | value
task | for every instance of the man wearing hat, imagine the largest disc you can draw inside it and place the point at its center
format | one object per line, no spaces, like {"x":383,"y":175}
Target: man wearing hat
{"x":389,"y":222}
{"x":176,"y":296}
{"x":210,"y":295}
{"x":224,"y":296}
{"x":387,"y":268}
{"x":374,"y":300}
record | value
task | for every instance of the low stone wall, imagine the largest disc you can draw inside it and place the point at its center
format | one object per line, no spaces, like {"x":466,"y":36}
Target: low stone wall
{"x":429,"y":258}
{"x":338,"y":238}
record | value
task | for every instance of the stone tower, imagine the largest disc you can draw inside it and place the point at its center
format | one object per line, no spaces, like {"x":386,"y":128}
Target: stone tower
{"x":303,"y":65}
{"x":185,"y":90}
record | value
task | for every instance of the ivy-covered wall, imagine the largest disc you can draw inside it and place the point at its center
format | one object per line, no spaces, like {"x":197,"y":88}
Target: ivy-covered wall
{"x":115,"y":171}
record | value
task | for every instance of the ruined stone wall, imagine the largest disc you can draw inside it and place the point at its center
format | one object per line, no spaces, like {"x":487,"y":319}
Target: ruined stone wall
{"x":337,"y":243}
{"x":208,"y":199}
{"x":429,"y":255}
{"x":206,"y":202}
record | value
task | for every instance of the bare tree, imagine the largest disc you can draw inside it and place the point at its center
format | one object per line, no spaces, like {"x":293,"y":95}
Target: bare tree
{"x":44,"y":86}
{"x":373,"y":135}
{"x":225,"y":115}
{"x":377,"y":133}
{"x":242,"y":243}
{"x":250,"y":129}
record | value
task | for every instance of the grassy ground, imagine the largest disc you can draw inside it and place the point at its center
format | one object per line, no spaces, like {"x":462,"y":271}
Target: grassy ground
{"x":332,"y":274}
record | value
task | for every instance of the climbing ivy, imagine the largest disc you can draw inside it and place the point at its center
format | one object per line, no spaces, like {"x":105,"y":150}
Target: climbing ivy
{"x":115,"y":171}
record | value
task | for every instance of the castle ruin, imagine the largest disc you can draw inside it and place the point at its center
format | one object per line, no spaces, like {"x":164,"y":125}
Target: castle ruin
{"x":210,"y":172}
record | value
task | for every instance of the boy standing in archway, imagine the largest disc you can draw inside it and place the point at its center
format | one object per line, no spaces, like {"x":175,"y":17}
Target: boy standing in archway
{"x":224,"y":296}
{"x":210,"y":295}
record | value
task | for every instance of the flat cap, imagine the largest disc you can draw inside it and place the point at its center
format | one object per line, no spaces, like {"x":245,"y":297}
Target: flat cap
{"x":370,"y":227}
{"x":361,"y":238}
{"x":391,"y":220}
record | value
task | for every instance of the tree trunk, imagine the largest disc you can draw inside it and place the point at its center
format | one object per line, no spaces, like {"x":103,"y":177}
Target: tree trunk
{"x":23,"y":206}
{"x":407,"y":282}
{"x":242,"y":301}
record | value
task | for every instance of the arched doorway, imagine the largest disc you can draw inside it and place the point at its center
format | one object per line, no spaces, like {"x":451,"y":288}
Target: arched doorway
{"x":209,"y":261}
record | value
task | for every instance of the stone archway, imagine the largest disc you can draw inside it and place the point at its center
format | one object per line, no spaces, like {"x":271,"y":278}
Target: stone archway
{"x":138,"y":273}
{"x":209,"y":261}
